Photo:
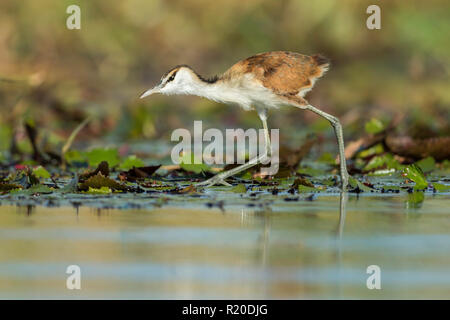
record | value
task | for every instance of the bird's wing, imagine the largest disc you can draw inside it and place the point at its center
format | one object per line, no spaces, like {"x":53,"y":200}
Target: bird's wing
{"x":283,"y":72}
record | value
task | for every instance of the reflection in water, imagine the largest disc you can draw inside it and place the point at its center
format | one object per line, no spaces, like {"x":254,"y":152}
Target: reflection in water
{"x":298,"y":250}
{"x":343,"y":198}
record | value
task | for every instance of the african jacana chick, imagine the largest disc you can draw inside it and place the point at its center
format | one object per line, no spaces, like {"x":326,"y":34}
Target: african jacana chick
{"x":264,"y":81}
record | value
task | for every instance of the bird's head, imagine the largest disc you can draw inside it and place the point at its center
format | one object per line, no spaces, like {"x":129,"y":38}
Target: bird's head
{"x":178,"y":80}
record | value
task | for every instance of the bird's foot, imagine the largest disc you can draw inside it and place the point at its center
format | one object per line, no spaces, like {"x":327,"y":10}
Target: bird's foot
{"x":217,"y":179}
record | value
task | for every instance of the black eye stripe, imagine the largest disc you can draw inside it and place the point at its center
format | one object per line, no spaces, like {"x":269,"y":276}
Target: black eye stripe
{"x":172,"y":77}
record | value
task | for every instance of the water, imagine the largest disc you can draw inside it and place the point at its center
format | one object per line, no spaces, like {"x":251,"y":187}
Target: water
{"x":290,"y":250}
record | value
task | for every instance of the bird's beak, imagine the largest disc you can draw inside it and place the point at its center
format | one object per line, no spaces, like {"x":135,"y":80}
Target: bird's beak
{"x":150,"y":92}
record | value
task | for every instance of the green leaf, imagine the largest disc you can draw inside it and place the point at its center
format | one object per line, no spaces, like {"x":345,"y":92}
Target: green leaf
{"x":441,"y":187}
{"x":327,"y":158}
{"x":382,"y":172}
{"x":35,"y":189}
{"x":41,"y":172}
{"x":187,"y":163}
{"x":306,"y":189}
{"x":98,"y":155}
{"x":313,"y":172}
{"x":374,"y":126}
{"x":130,"y":162}
{"x":102,"y":190}
{"x":240,"y":188}
{"x":414,"y":173}
{"x":427,"y":164}
{"x":356,"y":184}
{"x":392,"y":188}
{"x":73,"y":156}
{"x":376,"y":149}
{"x":384,"y":161}
{"x":98,"y":181}
{"x":6,"y":187}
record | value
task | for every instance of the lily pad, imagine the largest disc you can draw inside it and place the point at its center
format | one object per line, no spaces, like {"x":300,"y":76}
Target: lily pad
{"x":374,"y":126}
{"x":41,"y":172}
{"x":439,"y":187}
{"x":427,"y":164}
{"x":414,"y":173}
{"x":35,"y":189}
{"x":102,"y":190}
{"x":240,"y":188}
{"x":98,"y":155}
{"x":382,"y":161}
{"x":313,"y":172}
{"x":305,"y":189}
{"x":355,"y":184}
{"x":130,"y":162}
{"x":98,"y":181}
{"x":6,"y":187}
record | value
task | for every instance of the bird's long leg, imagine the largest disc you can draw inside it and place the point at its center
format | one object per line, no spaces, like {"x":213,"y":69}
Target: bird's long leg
{"x":220,"y":177}
{"x":340,"y":139}
{"x":300,"y":103}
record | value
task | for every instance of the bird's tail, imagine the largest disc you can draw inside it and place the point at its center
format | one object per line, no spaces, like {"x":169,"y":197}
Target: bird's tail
{"x":322,"y":62}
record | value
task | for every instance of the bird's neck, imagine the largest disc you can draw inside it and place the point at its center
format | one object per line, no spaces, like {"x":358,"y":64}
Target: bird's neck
{"x":219,"y":91}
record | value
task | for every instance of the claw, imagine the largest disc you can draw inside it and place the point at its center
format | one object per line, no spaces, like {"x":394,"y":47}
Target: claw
{"x":213,"y":181}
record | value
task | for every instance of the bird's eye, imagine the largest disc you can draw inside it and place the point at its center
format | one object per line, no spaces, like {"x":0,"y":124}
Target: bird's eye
{"x":172,"y":77}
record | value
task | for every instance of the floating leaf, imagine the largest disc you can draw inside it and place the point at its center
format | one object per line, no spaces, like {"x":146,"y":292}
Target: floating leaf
{"x":327,"y":158}
{"x":414,"y":173}
{"x":73,"y":156}
{"x":102,"y":168}
{"x":313,"y":172}
{"x":9,"y":186}
{"x":187,"y":164}
{"x":35,"y":189}
{"x":376,"y":149}
{"x":130,"y":162}
{"x":240,"y":188}
{"x":187,"y":190}
{"x":305,"y":189}
{"x":355,"y":184}
{"x":383,"y":161}
{"x":382,"y":172}
{"x":98,"y":181}
{"x":392,"y":188}
{"x":439,"y":187}
{"x":374,"y":126}
{"x":138,"y":173}
{"x":41,"y":172}
{"x":102,"y":190}
{"x":98,"y":155}
{"x":300,"y":181}
{"x":427,"y":165}
{"x":196,"y":168}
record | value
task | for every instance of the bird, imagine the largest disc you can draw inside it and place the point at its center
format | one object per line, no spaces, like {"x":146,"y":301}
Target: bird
{"x":262,"y":82}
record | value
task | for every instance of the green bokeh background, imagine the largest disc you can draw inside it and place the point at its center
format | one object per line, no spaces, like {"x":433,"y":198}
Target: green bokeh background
{"x":57,"y":77}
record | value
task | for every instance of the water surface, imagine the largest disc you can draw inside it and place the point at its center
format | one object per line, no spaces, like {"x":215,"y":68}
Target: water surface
{"x":294,"y":250}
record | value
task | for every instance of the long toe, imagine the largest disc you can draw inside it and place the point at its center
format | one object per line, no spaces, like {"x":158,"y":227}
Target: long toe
{"x":213,"y":181}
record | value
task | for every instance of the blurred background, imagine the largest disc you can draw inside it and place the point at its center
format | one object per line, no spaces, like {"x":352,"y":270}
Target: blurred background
{"x":55,"y":77}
